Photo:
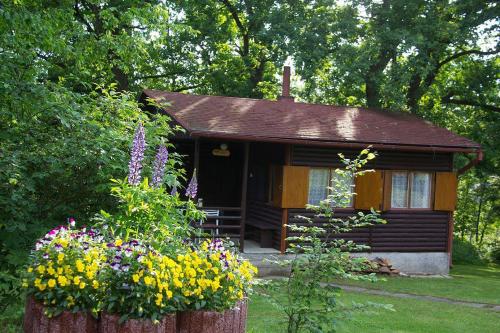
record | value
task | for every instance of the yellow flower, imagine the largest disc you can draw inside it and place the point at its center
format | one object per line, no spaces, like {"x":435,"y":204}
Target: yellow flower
{"x":79,"y":266}
{"x":42,"y":287}
{"x":62,"y":280}
{"x":25,"y":283}
{"x":51,"y":283}
{"x":135,"y":277}
{"x":30,"y":269}
{"x":82,"y":285}
{"x":64,"y":242}
{"x":148,"y":281}
{"x":41,"y":269}
{"x":230,"y":276}
{"x":118,"y":242}
{"x":95,"y":284}
{"x":51,"y":270}
{"x":76,"y":280}
{"x":215,"y":285}
{"x":169,"y":294}
{"x":60,"y":257}
{"x":159,"y":298}
{"x":177,"y":283}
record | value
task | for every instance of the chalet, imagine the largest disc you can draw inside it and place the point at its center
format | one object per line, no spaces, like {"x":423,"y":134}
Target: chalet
{"x":259,"y":162}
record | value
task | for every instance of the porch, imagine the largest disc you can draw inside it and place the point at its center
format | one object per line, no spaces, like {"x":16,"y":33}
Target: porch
{"x":233,"y":190}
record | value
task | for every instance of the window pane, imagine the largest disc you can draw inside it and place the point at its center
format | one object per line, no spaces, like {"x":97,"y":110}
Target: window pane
{"x":399,"y":195}
{"x":420,"y":190}
{"x":318,"y":182}
{"x":342,"y":184}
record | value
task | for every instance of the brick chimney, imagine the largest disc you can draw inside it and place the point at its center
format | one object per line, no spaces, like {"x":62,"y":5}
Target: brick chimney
{"x":285,"y":90}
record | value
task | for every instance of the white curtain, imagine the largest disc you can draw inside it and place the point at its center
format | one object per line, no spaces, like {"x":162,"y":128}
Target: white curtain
{"x":399,"y":195}
{"x":420,"y":190}
{"x":318,"y":182}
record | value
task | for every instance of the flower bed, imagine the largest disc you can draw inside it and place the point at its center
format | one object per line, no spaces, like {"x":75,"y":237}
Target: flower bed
{"x":137,"y":269}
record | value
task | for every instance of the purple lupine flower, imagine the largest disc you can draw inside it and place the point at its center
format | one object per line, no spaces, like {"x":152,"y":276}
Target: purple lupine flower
{"x":159,"y":166}
{"x":136,"y":156}
{"x":192,"y":188}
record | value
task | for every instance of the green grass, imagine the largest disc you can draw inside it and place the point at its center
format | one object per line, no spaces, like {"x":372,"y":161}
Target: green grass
{"x":410,"y":316}
{"x":470,"y":283}
{"x":467,"y":283}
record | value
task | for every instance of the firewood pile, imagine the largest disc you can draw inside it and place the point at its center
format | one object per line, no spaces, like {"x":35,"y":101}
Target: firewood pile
{"x":382,"y":266}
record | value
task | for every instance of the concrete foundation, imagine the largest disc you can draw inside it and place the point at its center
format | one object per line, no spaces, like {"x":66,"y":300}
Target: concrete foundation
{"x":430,"y":263}
{"x":435,"y":263}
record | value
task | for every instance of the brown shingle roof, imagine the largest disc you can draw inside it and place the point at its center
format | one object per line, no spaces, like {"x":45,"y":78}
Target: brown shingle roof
{"x":287,"y":121}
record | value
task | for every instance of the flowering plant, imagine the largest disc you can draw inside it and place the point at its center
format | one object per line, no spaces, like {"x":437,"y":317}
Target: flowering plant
{"x":64,"y":269}
{"x":138,"y":281}
{"x":215,"y":278}
{"x":150,"y":212}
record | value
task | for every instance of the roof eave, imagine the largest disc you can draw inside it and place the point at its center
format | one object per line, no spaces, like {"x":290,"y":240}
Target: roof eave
{"x":343,"y":144}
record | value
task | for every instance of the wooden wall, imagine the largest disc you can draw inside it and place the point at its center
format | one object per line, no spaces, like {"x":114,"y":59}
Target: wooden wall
{"x":388,"y":159}
{"x":406,"y":231}
{"x":268,"y":214}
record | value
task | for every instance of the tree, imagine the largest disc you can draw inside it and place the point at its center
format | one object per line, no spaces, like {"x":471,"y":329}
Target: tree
{"x":392,"y":50}
{"x":242,"y":43}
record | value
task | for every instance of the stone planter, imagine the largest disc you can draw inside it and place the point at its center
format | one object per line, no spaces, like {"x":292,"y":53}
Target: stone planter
{"x":35,"y":321}
{"x":229,"y":321}
{"x":109,"y":324}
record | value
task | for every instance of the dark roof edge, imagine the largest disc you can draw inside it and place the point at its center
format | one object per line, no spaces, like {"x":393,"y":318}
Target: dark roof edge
{"x":311,"y":142}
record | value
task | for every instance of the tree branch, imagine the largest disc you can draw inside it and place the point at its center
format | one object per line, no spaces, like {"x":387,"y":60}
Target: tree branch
{"x":464,"y":53}
{"x":80,"y":17}
{"x":468,"y":102}
{"x":244,"y":32}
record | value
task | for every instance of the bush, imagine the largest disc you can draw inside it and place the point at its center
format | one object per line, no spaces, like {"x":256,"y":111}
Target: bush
{"x":465,"y":253}
{"x":494,"y":254}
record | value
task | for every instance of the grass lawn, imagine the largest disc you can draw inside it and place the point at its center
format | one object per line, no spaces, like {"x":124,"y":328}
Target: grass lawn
{"x":410,"y":316}
{"x":467,"y":283}
{"x":470,"y":283}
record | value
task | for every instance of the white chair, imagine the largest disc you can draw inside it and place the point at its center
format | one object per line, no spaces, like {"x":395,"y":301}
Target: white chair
{"x":213,"y":212}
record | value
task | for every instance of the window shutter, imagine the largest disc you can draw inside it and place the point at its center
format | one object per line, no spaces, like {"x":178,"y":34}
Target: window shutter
{"x":295,"y":186}
{"x":445,"y":197}
{"x":369,"y":190}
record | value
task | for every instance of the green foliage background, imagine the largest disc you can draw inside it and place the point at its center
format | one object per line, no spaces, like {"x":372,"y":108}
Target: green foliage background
{"x":71,"y":72}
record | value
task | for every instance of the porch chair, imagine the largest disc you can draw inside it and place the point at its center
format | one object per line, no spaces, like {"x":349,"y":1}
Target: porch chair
{"x":213,"y":212}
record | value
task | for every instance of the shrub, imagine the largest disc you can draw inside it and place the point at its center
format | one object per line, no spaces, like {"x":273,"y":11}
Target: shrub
{"x":494,"y":254}
{"x":319,"y":257}
{"x":465,"y":253}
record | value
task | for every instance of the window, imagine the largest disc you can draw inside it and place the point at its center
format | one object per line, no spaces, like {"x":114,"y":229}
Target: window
{"x":318,"y":183}
{"x":411,"y":189}
{"x":321,"y":179}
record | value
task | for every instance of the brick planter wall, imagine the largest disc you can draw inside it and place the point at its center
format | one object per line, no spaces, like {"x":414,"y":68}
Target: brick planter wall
{"x":109,"y":324}
{"x":229,"y":321}
{"x":35,"y":321}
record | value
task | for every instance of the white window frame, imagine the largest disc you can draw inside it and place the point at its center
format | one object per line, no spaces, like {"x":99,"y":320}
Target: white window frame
{"x":409,"y":186}
{"x":331,"y":172}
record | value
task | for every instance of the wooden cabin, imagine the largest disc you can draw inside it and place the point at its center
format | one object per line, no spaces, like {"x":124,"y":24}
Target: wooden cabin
{"x":259,"y":163}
